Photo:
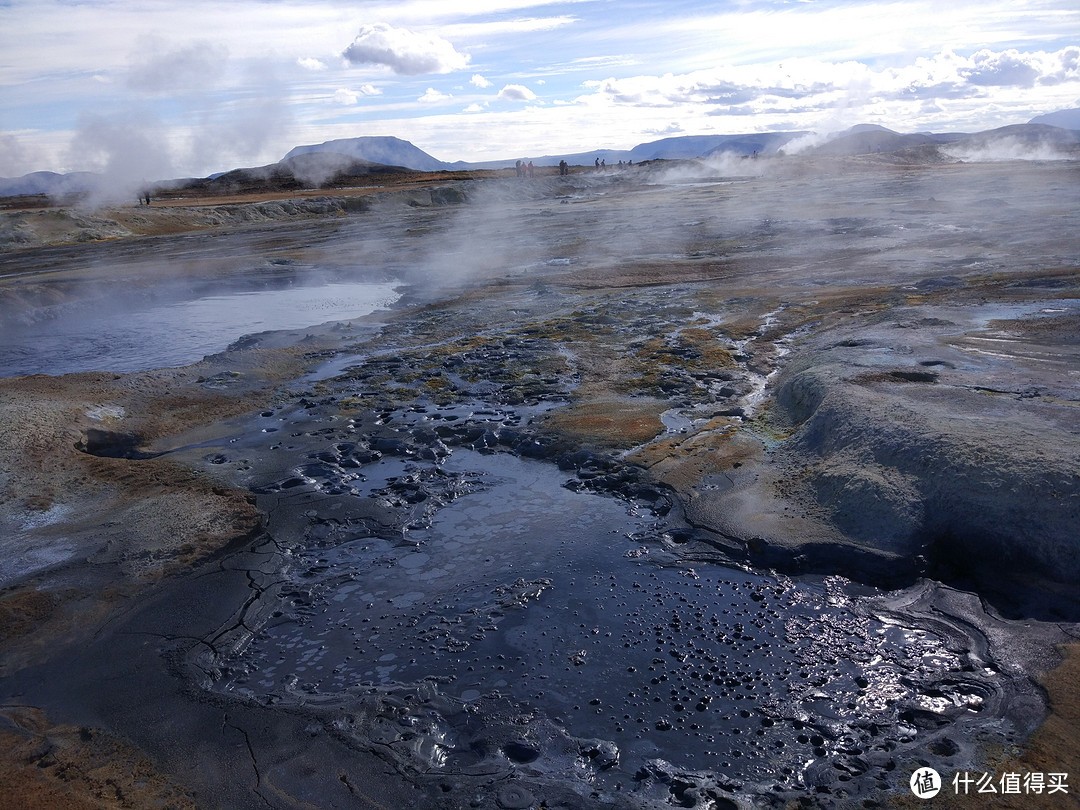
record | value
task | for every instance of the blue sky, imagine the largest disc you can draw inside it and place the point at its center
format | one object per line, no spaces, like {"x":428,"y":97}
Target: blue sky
{"x":185,"y":89}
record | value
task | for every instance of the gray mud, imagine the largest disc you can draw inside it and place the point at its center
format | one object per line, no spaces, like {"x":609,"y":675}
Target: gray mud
{"x":492,"y":632}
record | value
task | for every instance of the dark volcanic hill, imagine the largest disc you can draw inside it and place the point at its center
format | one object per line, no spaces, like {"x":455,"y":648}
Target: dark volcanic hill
{"x":388,"y":151}
{"x":762,"y":143}
{"x":1029,"y":135}
{"x":309,"y":170}
{"x":867,"y":139}
{"x":695,"y":146}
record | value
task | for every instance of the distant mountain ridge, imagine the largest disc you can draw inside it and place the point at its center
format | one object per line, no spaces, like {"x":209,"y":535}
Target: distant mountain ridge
{"x":1066,"y":119}
{"x":399,"y":152}
{"x":48,"y":183}
{"x":858,"y":140}
{"x":315,"y":164}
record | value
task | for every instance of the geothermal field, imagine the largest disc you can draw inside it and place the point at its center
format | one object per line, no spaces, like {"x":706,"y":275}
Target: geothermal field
{"x":720,"y":485}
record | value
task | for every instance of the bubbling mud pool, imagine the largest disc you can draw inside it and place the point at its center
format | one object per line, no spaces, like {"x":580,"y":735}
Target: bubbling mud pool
{"x":462,"y":610}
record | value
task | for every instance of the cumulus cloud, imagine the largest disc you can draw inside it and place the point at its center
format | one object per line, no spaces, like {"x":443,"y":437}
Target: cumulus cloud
{"x":311,"y":64}
{"x":674,"y":128}
{"x":349,"y":97}
{"x":407,"y":53}
{"x":1001,"y":69}
{"x":432,"y":96}
{"x":1012,"y":68}
{"x":193,"y":67}
{"x":475,"y":108}
{"x":800,"y":86}
{"x":1067,"y":68}
{"x":516,"y":92}
{"x":731,"y":86}
{"x":479,"y":81}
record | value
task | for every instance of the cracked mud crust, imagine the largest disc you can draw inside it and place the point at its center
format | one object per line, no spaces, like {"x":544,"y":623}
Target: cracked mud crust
{"x":825,"y":433}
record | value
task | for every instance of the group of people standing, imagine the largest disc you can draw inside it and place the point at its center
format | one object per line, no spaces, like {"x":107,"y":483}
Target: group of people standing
{"x":524,"y":169}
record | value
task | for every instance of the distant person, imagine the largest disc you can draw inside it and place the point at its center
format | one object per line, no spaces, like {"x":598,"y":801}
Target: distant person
{"x":603,"y":165}
{"x":530,"y":169}
{"x":564,"y":168}
{"x":517,"y":168}
{"x":598,"y":163}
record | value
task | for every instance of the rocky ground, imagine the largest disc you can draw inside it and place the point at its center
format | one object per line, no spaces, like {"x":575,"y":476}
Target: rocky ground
{"x":855,"y":380}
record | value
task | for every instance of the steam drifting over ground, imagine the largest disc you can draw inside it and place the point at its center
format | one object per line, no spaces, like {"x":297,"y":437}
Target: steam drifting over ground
{"x":716,"y":483}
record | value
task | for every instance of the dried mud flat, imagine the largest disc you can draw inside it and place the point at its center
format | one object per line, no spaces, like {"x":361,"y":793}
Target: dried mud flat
{"x":655,"y":489}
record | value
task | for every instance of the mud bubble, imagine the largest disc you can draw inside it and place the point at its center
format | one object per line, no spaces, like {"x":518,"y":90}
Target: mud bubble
{"x":452,"y":601}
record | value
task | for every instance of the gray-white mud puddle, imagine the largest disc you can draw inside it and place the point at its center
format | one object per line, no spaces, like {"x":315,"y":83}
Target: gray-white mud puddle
{"x":470,"y":613}
{"x":136,"y":335}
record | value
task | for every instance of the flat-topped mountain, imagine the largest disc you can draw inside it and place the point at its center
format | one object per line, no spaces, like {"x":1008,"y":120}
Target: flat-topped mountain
{"x":387,"y":150}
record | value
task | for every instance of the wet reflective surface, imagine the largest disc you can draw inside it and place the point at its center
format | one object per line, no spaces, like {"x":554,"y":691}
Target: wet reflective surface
{"x":135,"y":335}
{"x":425,"y":590}
{"x":471,"y":584}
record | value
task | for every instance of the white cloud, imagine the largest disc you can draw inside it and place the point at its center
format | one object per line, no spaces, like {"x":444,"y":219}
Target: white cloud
{"x":407,"y":53}
{"x":370,"y":90}
{"x":803,"y":85}
{"x":516,"y":92}
{"x":479,"y":81}
{"x":346,"y":97}
{"x":1012,"y":68}
{"x":311,"y":64}
{"x":474,"y":108}
{"x":674,"y":128}
{"x":492,"y":28}
{"x":432,"y":96}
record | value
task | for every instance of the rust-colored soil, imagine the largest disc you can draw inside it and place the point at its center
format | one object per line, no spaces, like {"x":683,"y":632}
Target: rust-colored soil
{"x":615,"y":423}
{"x":1053,"y":748}
{"x":50,"y":767}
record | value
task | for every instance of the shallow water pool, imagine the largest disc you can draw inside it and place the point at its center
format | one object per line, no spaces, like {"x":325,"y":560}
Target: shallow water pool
{"x":138,"y":334}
